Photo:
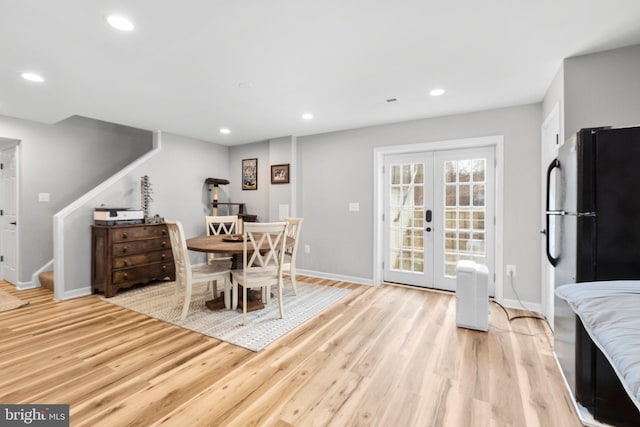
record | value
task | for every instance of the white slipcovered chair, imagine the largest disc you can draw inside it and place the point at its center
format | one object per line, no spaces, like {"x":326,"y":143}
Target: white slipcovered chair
{"x":186,"y":275}
{"x":262,"y":261}
{"x":290,"y":254}
{"x":215,"y":225}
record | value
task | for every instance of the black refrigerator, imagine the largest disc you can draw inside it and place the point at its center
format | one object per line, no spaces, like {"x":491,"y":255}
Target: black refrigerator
{"x":593,"y":233}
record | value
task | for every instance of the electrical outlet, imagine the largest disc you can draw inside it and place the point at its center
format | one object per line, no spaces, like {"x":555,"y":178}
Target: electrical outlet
{"x":511,"y":270}
{"x":307,"y":249}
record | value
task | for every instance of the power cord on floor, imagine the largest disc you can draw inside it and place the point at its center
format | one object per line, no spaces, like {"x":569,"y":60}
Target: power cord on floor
{"x":524,"y":316}
{"x":509,"y":318}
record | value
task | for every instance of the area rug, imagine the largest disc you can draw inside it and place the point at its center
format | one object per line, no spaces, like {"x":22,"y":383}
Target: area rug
{"x":9,"y":302}
{"x":263,"y":326}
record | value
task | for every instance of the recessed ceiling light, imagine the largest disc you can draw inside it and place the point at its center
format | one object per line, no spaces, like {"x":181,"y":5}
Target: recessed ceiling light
{"x":436,"y":92}
{"x":120,"y":23}
{"x":33,"y":77}
{"x":307,"y":116}
{"x":225,"y":131}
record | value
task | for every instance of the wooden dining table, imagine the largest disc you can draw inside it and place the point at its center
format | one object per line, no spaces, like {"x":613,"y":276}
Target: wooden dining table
{"x":232,"y":245}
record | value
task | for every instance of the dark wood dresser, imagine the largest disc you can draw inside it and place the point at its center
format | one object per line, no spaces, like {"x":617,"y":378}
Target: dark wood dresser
{"x":126,"y":255}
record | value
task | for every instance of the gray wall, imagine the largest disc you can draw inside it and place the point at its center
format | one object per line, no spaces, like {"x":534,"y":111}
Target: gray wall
{"x":280,"y":194}
{"x":177,"y":174}
{"x":66,"y":160}
{"x":336,"y":168}
{"x":257,"y":201}
{"x":602,"y":89}
{"x":555,"y":95}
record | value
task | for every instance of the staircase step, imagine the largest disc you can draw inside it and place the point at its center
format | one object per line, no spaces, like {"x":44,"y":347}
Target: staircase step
{"x":46,"y":279}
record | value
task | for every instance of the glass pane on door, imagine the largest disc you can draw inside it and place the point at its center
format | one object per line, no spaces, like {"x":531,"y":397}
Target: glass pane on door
{"x":406,"y":224}
{"x":464,"y":212}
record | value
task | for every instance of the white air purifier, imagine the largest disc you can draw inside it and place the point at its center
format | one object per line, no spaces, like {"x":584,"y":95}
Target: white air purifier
{"x":472,"y":295}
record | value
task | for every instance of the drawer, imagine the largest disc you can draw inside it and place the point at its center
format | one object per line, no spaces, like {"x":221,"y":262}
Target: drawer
{"x":139,"y":246}
{"x":141,"y":259}
{"x":136,"y":233}
{"x":144,"y":274}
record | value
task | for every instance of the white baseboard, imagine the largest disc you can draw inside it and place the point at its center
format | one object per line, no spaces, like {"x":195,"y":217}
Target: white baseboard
{"x":74,"y":293}
{"x":338,"y":277}
{"x":531,"y":306}
{"x":23,"y":286}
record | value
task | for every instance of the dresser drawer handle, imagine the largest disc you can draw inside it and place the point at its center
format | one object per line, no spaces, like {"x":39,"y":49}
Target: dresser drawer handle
{"x":164,"y":267}
{"x":164,"y":232}
{"x":126,"y":276}
{"x":164,"y":256}
{"x":125,"y":250}
{"x":164,"y":244}
{"x":125,"y":236}
{"x":126,"y":264}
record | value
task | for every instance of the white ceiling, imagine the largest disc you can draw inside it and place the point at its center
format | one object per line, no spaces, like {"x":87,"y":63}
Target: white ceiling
{"x":182,"y":67}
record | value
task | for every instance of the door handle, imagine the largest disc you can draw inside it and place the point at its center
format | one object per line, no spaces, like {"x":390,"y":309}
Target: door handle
{"x":428,"y":215}
{"x":554,"y":164}
{"x":13,"y":223}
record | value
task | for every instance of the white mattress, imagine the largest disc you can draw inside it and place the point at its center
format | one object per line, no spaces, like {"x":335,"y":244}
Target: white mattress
{"x":610,"y":312}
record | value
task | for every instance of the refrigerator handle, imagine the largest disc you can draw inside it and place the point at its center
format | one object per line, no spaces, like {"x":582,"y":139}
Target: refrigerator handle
{"x":554,"y":164}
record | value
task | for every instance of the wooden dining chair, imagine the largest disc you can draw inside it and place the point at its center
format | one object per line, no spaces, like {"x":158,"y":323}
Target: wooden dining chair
{"x":262,"y":260}
{"x":186,"y":275}
{"x":290,"y":253}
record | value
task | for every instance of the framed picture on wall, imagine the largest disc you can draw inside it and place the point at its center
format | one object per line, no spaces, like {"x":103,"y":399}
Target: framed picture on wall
{"x":280,"y":174}
{"x":250,"y":174}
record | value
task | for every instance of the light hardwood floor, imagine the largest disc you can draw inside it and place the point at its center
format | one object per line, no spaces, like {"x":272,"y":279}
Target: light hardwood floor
{"x":382,"y":356}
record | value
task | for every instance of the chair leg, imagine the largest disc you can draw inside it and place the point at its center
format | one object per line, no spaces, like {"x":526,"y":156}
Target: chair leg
{"x":227,"y":291}
{"x":187,"y":300}
{"x":280,"y":301}
{"x":266,"y":294}
{"x":292,"y":273}
{"x":244,"y":305}
{"x":234,"y":296}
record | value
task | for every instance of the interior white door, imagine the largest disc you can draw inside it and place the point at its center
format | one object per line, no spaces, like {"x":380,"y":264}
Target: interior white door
{"x":8,"y":217}
{"x":408,"y":237}
{"x":550,"y":135}
{"x":439,"y":208}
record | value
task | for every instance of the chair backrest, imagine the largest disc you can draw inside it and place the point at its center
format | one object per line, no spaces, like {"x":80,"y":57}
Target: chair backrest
{"x":179,"y":249}
{"x":221,"y":225}
{"x":263,"y":246}
{"x":293,"y":231}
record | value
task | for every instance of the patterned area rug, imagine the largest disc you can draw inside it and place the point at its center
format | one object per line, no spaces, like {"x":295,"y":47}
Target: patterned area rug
{"x":9,"y":302}
{"x":263,"y":326}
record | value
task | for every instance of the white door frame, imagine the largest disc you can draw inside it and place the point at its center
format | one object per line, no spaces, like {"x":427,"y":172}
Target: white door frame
{"x":379,"y":153}
{"x":6,"y":143}
{"x":549,"y":144}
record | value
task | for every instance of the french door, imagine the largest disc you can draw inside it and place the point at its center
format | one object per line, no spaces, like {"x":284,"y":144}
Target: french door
{"x":439,"y":208}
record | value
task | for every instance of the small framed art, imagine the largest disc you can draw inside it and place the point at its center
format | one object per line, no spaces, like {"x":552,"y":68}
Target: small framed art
{"x":250,"y":174}
{"x":280,"y":174}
